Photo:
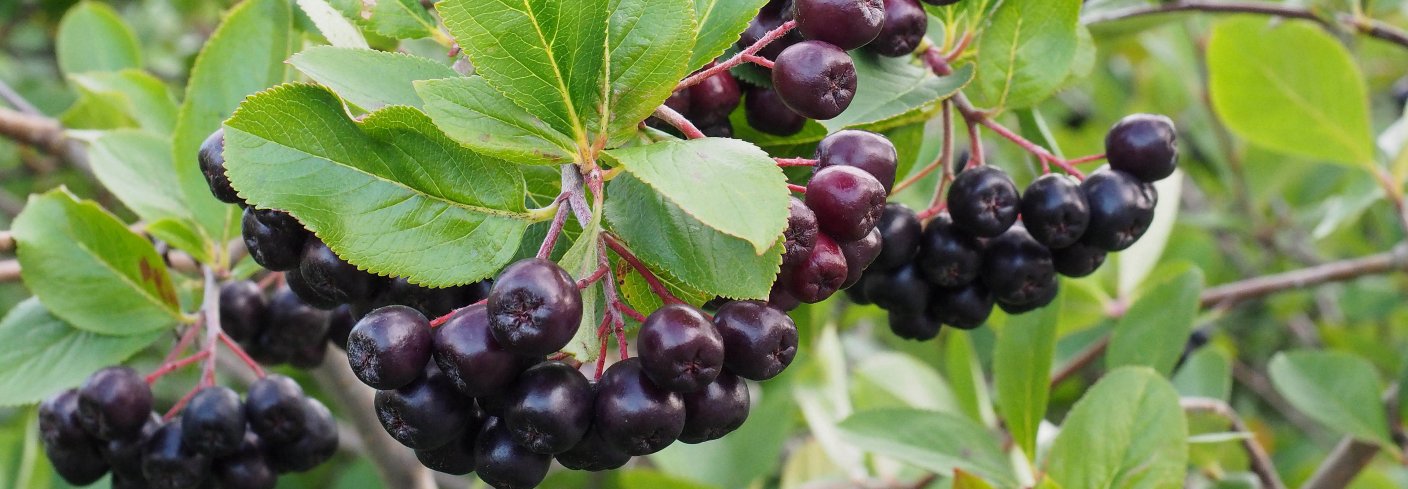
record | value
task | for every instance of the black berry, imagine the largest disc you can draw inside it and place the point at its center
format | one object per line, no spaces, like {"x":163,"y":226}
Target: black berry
{"x":1054,"y":210}
{"x":275,"y":411}
{"x":983,"y":201}
{"x":169,"y":463}
{"x":1017,"y":269}
{"x":914,"y":326}
{"x":1077,"y":260}
{"x":550,"y":408}
{"x":800,"y":235}
{"x":713,"y":99}
{"x":815,"y":79}
{"x":1143,"y":145}
{"x":246,"y":468}
{"x":213,"y":422}
{"x":680,"y":349}
{"x":821,"y":275}
{"x":274,"y":238}
{"x":769,"y":18}
{"x":780,"y":298}
{"x":760,"y":341}
{"x":634,"y":414}
{"x":455,"y":457}
{"x":389,"y":347}
{"x":1043,"y":298}
{"x":124,"y":455}
{"x":340,"y":324}
{"x":427,"y":413}
{"x":317,"y":445}
{"x":1121,"y":209}
{"x":859,"y":255}
{"x":948,"y":256}
{"x":74,"y":453}
{"x":243,"y":309}
{"x":535,"y":307}
{"x":593,"y":454}
{"x":716,"y":410}
{"x":902,"y":290}
{"x":865,"y":150}
{"x":503,"y":463}
{"x":114,"y":402}
{"x":326,"y":281}
{"x":847,"y":201}
{"x":965,"y":307}
{"x":766,"y":112}
{"x":212,"y":165}
{"x":293,"y":324}
{"x":848,"y":24}
{"x":904,"y":27}
{"x":900,"y":235}
{"x":469,"y":355}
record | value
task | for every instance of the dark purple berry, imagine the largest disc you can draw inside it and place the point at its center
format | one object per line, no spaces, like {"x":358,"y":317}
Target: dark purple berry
{"x":849,"y":24}
{"x":800,"y":235}
{"x":716,"y":410}
{"x":633,"y":413}
{"x":593,"y":454}
{"x":821,"y":275}
{"x":680,"y":349}
{"x":1044,"y":298}
{"x":865,"y":150}
{"x":433,"y":302}
{"x":713,"y":99}
{"x":271,"y":242}
{"x":1054,"y":210}
{"x":902,"y":291}
{"x":1078,"y":260}
{"x":124,"y":455}
{"x":848,"y":202}
{"x":1121,"y":209}
{"x":769,"y":19}
{"x":469,"y":355}
{"x":213,"y":422}
{"x":328,"y":281}
{"x":1017,"y":269}
{"x":948,"y":256}
{"x":114,"y":402}
{"x":293,"y":324}
{"x":212,"y":164}
{"x":550,"y":408}
{"x":780,"y":298}
{"x":1143,"y":145}
{"x":859,"y":255}
{"x":965,"y":307}
{"x":246,"y":468}
{"x":75,"y":454}
{"x":914,"y":326}
{"x":455,"y":457}
{"x":856,"y":293}
{"x":905,"y":25}
{"x":318,"y":444}
{"x":503,"y":463}
{"x":340,"y":324}
{"x":389,"y":347}
{"x":535,"y":307}
{"x":815,"y":79}
{"x":941,"y":2}
{"x":900,"y":235}
{"x":427,"y":413}
{"x":169,"y":463}
{"x":243,"y":309}
{"x":767,"y":113}
{"x":983,"y":201}
{"x":760,"y":341}
{"x":309,"y":356}
{"x":275,"y":410}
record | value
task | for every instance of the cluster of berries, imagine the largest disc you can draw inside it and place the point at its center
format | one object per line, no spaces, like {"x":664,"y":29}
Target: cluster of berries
{"x":108,"y":424}
{"x":955,"y":268}
{"x":478,"y":393}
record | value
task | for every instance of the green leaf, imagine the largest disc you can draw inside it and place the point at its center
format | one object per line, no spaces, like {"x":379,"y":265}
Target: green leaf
{"x":964,"y":480}
{"x":893,"y":379}
{"x":90,"y":270}
{"x":480,"y":118}
{"x":589,"y":68}
{"x":244,"y":55}
{"x":932,"y":441}
{"x":1207,"y":373}
{"x":1127,"y":431}
{"x":1155,"y":329}
{"x":369,"y":79}
{"x":183,"y":235}
{"x":748,"y":454}
{"x":44,"y":355}
{"x":726,"y":184}
{"x":136,"y":167}
{"x":965,"y":375}
{"x":888,"y":88}
{"x":720,"y":24}
{"x":580,"y":261}
{"x":93,"y":38}
{"x":402,"y":19}
{"x":667,"y":238}
{"x":1027,"y":51}
{"x":650,"y":479}
{"x":139,"y":96}
{"x":390,"y":194}
{"x":335,"y":28}
{"x":1337,"y":389}
{"x":1291,"y":87}
{"x":1022,"y":372}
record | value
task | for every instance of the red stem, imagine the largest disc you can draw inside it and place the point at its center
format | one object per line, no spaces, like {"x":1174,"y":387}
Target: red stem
{"x":655,"y":286}
{"x":796,"y":188}
{"x":181,"y":404}
{"x":786,"y":162}
{"x":559,"y":219}
{"x":629,"y":311}
{"x":1086,"y":159}
{"x":172,"y":366}
{"x":739,"y":58}
{"x":601,"y":352}
{"x":187,"y":338}
{"x":242,"y":355}
{"x":435,"y":323}
{"x":665,"y":113}
{"x":759,"y":60}
{"x":595,"y":276}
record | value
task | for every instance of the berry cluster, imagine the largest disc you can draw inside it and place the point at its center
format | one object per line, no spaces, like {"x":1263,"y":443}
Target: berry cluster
{"x":955,"y":268}
{"x":108,"y":424}
{"x":477,"y":393}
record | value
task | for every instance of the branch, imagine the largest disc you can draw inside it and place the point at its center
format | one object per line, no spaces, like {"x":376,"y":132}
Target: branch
{"x":650,"y":279}
{"x":1260,"y":460}
{"x":396,"y":464}
{"x":7,"y":241}
{"x":673,"y":118}
{"x":44,"y":134}
{"x":1365,"y":26}
{"x":1349,"y":457}
{"x":9,"y":270}
{"x":747,"y":55}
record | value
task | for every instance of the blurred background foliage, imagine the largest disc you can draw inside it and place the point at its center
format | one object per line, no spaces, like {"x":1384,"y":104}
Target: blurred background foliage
{"x":1244,"y":211}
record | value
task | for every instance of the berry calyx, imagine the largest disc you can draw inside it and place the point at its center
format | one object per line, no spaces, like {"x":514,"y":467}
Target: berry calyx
{"x":847,"y":201}
{"x":680,"y":349}
{"x":1143,"y":145}
{"x":815,"y":79}
{"x":389,"y":347}
{"x":983,"y":201}
{"x":760,"y":341}
{"x":865,"y":150}
{"x":634,"y":414}
{"x":848,"y":24}
{"x":550,"y":408}
{"x":534,"y":308}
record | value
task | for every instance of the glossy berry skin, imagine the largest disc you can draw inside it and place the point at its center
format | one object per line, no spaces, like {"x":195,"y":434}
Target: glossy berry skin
{"x":914,"y":326}
{"x":426,"y":413}
{"x":389,"y":347}
{"x":213,"y":422}
{"x":760,"y":341}
{"x":243,"y":309}
{"x":329,"y":281}
{"x":1121,"y":209}
{"x":593,"y":454}
{"x":114,"y":402}
{"x":1054,"y":210}
{"x":847,"y":202}
{"x":455,"y":457}
{"x":534,"y":308}
{"x":768,"y":19}
{"x":1017,"y":269}
{"x":1043,"y":298}
{"x":821,"y":275}
{"x":272,"y":241}
{"x":550,"y":408}
{"x":168,"y":463}
{"x":965,"y":307}
{"x":716,"y":410}
{"x":432,"y":302}
{"x":800,"y":235}
{"x":74,"y":453}
{"x":815,"y":79}
{"x":780,"y":298}
{"x":294,"y":324}
{"x":1143,"y":145}
{"x":713,"y":99}
{"x":340,"y":324}
{"x":904,"y":27}
{"x":900,"y":235}
{"x":1077,"y":260}
{"x":79,"y":465}
{"x":848,"y":24}
{"x":634,"y":414}
{"x":766,"y":112}
{"x":983,"y":201}
{"x":317,"y":446}
{"x":246,"y":468}
{"x":948,"y":256}
{"x":275,"y":411}
{"x":124,"y":455}
{"x":859,"y":255}
{"x":502,"y":463}
{"x":212,"y":165}
{"x":469,"y":355}
{"x":902,"y":290}
{"x":680,"y":101}
{"x":865,"y":150}
{"x":680,"y":349}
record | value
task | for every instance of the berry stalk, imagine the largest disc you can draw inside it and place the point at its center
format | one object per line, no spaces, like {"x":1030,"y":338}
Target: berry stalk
{"x":741,"y":57}
{"x":559,"y":219}
{"x":673,"y":118}
{"x":655,"y":285}
{"x":173,"y":366}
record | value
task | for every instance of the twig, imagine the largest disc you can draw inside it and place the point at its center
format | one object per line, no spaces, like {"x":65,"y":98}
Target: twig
{"x":396,"y":464}
{"x":12,"y":97}
{"x":210,"y":307}
{"x":9,"y":270}
{"x":665,"y":113}
{"x":945,"y":154}
{"x":655,"y":285}
{"x":44,"y":134}
{"x":740,"y":58}
{"x":7,"y":241}
{"x":1260,"y":461}
{"x":559,"y":219}
{"x":1365,"y":26}
{"x":1345,"y":462}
